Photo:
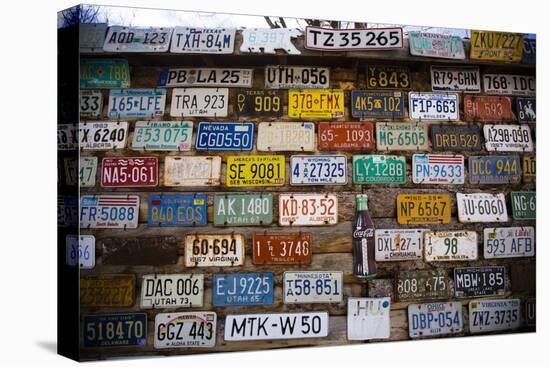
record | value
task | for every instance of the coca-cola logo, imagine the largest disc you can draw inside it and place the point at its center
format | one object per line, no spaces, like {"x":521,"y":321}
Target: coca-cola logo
{"x":359,"y":233}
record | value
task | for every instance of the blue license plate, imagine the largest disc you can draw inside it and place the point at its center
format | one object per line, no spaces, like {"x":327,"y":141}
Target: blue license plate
{"x":386,"y":105}
{"x":225,"y":136}
{"x":242,"y":289}
{"x":177,"y":210}
{"x":494,"y":169}
{"x":131,"y":329}
{"x":136,"y":103}
{"x":104,"y":74}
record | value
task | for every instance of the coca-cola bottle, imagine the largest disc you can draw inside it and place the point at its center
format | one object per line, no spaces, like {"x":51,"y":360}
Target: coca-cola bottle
{"x":364,"y":265}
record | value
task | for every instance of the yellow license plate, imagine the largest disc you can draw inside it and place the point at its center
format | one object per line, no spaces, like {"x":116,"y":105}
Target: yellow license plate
{"x":315,"y":103}
{"x":109,"y":290}
{"x":423,"y":208}
{"x":529,"y":169}
{"x":255,"y":170}
{"x":496,"y":46}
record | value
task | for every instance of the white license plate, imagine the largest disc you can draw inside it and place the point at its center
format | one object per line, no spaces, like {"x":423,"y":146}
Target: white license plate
{"x":203,"y":250}
{"x":200,"y":102}
{"x":185,"y":330}
{"x":398,"y":244}
{"x":286,"y":136}
{"x":368,"y":318}
{"x":318,"y":170}
{"x":268,"y":40}
{"x":505,"y":242}
{"x":109,"y":211}
{"x":172,"y":290}
{"x":328,"y":39}
{"x":91,"y":37}
{"x":308,"y":209}
{"x":464,"y":79}
{"x":87,"y":171}
{"x":481,"y":207}
{"x":186,"y":40}
{"x":511,"y":85}
{"x":103,"y":135}
{"x":136,"y":103}
{"x":438,"y":169}
{"x":80,"y":251}
{"x":271,"y":326}
{"x":211,"y":77}
{"x":508,"y":138}
{"x":450,"y":246}
{"x":436,"y":45}
{"x":132,"y":39}
{"x":192,"y":171}
{"x":494,"y":315}
{"x":163,"y":136}
{"x":435,"y":319}
{"x":397,"y":136}
{"x":289,"y":77}
{"x":91,"y":101}
{"x":312,"y":287}
{"x":433,"y":106}
{"x":67,"y":137}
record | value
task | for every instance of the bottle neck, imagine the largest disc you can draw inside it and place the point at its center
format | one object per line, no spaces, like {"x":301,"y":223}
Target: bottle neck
{"x":362,"y":204}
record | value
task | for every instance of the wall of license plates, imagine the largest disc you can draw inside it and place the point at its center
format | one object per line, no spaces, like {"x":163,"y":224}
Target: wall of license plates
{"x":219,"y":170}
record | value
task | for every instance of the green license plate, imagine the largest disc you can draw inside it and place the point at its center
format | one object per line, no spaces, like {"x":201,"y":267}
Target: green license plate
{"x":379,"y":169}
{"x":524,"y":204}
{"x":243,"y":210}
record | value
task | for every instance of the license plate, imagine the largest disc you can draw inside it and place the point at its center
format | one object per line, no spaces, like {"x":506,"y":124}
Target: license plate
{"x":91,"y":102}
{"x":202,"y":250}
{"x":163,"y":136}
{"x":80,"y":251}
{"x":436,"y":45}
{"x":379,"y":105}
{"x":192,"y":171}
{"x":368,"y":318}
{"x":531,"y":312}
{"x":129,"y":251}
{"x":286,"y":136}
{"x":480,"y":282}
{"x":526,"y":110}
{"x":488,"y":109}
{"x":131,"y":329}
{"x":271,"y":326}
{"x":452,"y":79}
{"x":529,"y":51}
{"x":438,"y":169}
{"x":259,"y":103}
{"x":129,"y":172}
{"x":456,"y":138}
{"x":186,"y":40}
{"x":496,"y":46}
{"x":104,"y":74}
{"x":493,"y":169}
{"x":205,"y":77}
{"x":308,"y":209}
{"x":433,"y":106}
{"x":91,"y":37}
{"x":255,"y":170}
{"x":108,"y":290}
{"x":388,"y":77}
{"x":512,"y":85}
{"x":185,"y":330}
{"x":312,"y":287}
{"x":286,"y":77}
{"x":133,"y":39}
{"x":318,"y":170}
{"x":282,"y":248}
{"x":524,"y":205}
{"x":315,"y":103}
{"x":494,"y":315}
{"x":109,"y":211}
{"x":345,"y":136}
{"x":379,"y":169}
{"x":508,"y":242}
{"x":398,"y":244}
{"x":481,"y":208}
{"x":243,"y":209}
{"x":177,"y":210}
{"x":67,"y":211}
{"x":70,"y":166}
{"x":529,"y":169}
{"x":423,"y":208}
{"x":103,"y":135}
{"x":401,"y":137}
{"x":67,"y":137}
{"x":268,"y":40}
{"x":450,"y":246}
{"x":422,"y":285}
{"x":508,"y":138}
{"x":225,"y":136}
{"x":199,"y":102}
{"x":136,"y":103}
{"x":435,"y":319}
{"x":249,"y":289}
{"x":172,"y":290}
{"x":355,"y":39}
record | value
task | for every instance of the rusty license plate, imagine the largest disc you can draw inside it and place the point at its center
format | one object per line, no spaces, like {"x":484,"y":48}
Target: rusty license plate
{"x":346,"y":136}
{"x":282,"y":248}
{"x":108,"y":290}
{"x":488,"y":108}
{"x":422,"y":285}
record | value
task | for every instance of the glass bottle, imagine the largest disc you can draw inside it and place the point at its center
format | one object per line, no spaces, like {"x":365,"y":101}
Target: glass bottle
{"x":364,"y":265}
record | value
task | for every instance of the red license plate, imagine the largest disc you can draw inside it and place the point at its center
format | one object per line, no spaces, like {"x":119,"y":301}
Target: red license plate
{"x":488,"y":108}
{"x":129,"y":172}
{"x":282,"y":248}
{"x":346,"y":136}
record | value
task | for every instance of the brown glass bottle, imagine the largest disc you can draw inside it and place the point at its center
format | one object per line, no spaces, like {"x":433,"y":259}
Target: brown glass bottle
{"x":364,"y":265}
